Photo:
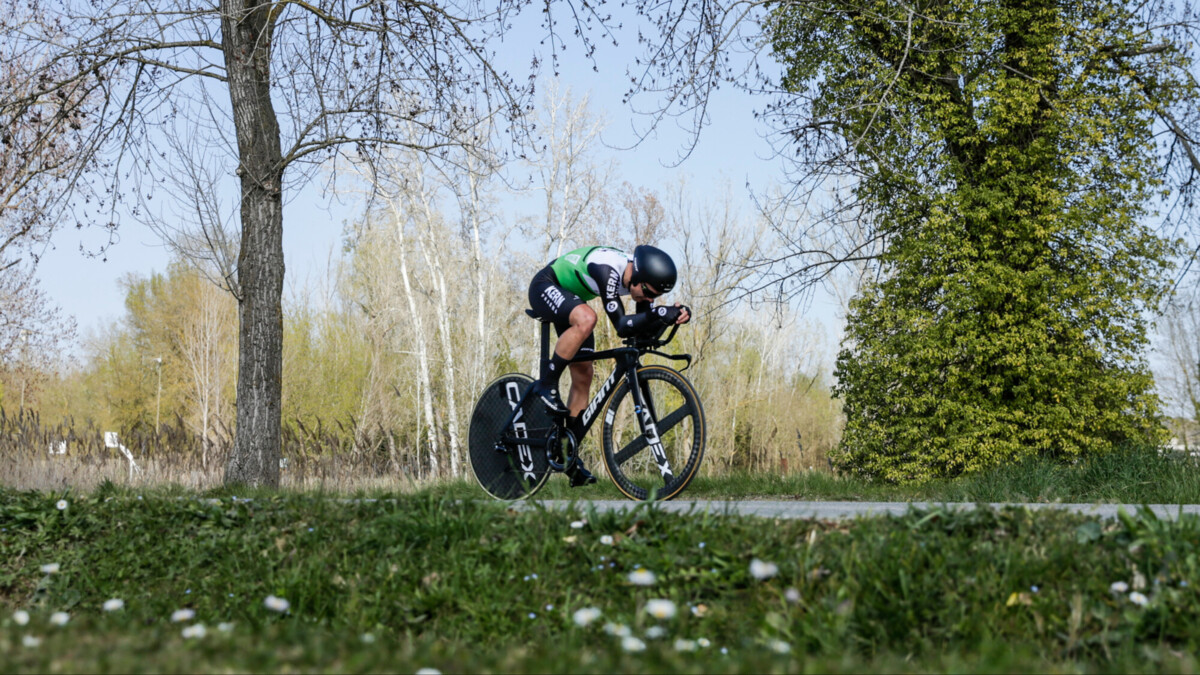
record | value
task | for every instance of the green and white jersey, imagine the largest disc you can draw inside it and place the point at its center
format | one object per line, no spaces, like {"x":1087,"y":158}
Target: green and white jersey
{"x":597,"y":271}
{"x":592,"y":271}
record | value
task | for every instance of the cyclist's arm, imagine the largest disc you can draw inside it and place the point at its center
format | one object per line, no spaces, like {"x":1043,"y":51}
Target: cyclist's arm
{"x":627,"y":325}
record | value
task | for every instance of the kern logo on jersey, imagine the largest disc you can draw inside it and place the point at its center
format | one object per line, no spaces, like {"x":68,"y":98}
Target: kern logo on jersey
{"x":553,"y":297}
{"x":611,"y":306}
{"x":662,"y":311}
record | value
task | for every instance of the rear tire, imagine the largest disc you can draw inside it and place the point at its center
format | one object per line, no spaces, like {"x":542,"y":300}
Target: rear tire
{"x":520,"y":473}
{"x":680,"y":420}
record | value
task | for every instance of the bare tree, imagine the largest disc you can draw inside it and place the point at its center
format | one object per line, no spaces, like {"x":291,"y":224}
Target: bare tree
{"x":1180,"y":330}
{"x":39,"y":136}
{"x":415,"y":315}
{"x":474,"y":209}
{"x":304,"y":83}
{"x":32,"y":333}
{"x":422,"y":210}
{"x":205,"y":341}
{"x":574,"y":184}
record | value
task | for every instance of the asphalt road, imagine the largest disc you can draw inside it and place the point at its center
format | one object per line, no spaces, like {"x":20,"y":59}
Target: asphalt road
{"x":847,"y":510}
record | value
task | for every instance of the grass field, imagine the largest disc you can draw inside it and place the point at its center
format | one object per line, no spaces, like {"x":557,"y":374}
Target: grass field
{"x":1132,"y":476}
{"x":306,"y":582}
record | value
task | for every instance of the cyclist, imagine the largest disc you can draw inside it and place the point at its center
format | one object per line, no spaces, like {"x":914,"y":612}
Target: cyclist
{"x":559,"y":294}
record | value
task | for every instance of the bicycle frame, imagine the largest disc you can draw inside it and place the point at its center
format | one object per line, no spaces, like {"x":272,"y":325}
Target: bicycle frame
{"x":627,"y":362}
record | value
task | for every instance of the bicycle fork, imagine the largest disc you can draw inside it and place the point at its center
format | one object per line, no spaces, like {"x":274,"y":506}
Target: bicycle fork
{"x":643,"y":407}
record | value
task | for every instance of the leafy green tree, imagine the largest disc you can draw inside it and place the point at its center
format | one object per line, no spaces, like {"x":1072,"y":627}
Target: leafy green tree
{"x":1006,"y":152}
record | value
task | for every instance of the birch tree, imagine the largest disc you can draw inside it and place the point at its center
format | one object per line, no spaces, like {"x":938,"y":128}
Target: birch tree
{"x":204,"y":342}
{"x":422,"y":210}
{"x":572,"y":181}
{"x":1180,"y":328}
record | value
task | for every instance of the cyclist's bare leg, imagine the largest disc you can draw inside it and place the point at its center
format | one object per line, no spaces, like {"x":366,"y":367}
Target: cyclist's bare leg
{"x":583,"y":322}
{"x":581,"y":385}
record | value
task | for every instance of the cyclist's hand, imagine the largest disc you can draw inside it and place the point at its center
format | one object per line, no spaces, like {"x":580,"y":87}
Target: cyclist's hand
{"x":666,"y":316}
{"x":685,"y":314}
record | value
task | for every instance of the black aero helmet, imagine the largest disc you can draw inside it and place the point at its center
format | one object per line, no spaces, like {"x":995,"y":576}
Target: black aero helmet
{"x":653,"y":266}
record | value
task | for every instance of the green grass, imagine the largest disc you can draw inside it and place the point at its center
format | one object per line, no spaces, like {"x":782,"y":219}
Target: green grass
{"x":1131,"y":476}
{"x":471,"y":586}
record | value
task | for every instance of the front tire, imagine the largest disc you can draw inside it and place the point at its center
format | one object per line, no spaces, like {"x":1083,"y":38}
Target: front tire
{"x":679,"y":419}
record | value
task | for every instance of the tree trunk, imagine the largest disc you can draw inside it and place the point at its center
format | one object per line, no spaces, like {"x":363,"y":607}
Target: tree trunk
{"x":481,"y":370}
{"x":448,"y":361}
{"x":433,"y":260}
{"x":246,"y":37}
{"x":424,"y":379}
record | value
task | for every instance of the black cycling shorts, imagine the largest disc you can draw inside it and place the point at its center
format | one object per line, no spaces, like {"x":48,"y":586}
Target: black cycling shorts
{"x":554,"y":303}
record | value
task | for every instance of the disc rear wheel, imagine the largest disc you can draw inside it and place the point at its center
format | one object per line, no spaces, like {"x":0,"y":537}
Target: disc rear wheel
{"x":521,"y":470}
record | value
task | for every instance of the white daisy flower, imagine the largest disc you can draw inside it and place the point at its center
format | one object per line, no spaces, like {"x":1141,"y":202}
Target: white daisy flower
{"x":21,"y":617}
{"x":607,"y":540}
{"x":61,"y":505}
{"x":60,"y":618}
{"x":584,"y":617}
{"x":617,"y":629}
{"x":195,"y":632}
{"x":31,"y":641}
{"x":367,"y":638}
{"x":429,"y":671}
{"x":763,"y":570}
{"x":113,"y":605}
{"x":1119,"y":587}
{"x":276,"y":604}
{"x":578,"y":524}
{"x":791,"y":595}
{"x":50,"y":568}
{"x":642,"y":577}
{"x":1139,"y":599}
{"x":660,"y":609}
{"x":779,"y":646}
{"x":181,"y":615}
{"x":682,"y":645}
{"x":632,"y":644}
{"x":656,"y":633}
{"x":703,"y":643}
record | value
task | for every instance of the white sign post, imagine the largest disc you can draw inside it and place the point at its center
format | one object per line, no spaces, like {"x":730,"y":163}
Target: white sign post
{"x":111,"y":441}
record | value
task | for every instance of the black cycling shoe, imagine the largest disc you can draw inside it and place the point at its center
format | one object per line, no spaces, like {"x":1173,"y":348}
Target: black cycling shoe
{"x":578,"y":474}
{"x":549,"y":396}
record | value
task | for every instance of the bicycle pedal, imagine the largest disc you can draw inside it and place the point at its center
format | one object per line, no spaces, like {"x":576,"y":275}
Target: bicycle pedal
{"x":579,"y":475}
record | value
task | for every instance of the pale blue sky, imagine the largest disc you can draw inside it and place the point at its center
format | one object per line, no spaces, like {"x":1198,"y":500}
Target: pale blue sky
{"x":730,"y":151}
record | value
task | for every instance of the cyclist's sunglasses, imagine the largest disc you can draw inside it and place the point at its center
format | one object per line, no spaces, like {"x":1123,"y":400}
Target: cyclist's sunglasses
{"x":649,"y":291}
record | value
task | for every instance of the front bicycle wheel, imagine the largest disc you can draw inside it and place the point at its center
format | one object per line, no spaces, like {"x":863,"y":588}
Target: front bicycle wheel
{"x":520,"y":470}
{"x":634,"y":465}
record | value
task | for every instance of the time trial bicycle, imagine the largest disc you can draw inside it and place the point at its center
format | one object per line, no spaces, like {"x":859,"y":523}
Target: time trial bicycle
{"x":653,"y":433}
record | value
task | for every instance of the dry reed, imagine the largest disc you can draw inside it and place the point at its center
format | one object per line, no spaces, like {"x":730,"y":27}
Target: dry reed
{"x":39,"y":456}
